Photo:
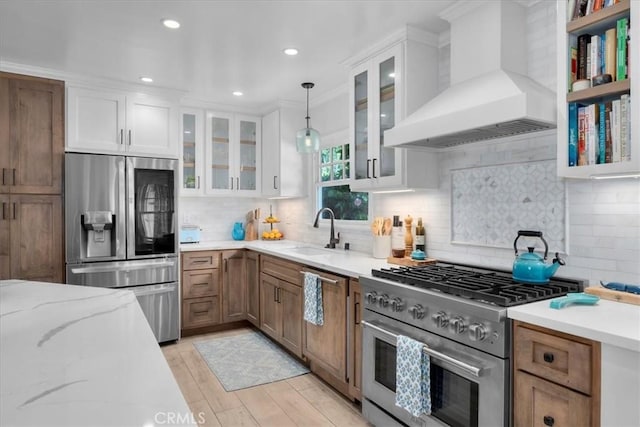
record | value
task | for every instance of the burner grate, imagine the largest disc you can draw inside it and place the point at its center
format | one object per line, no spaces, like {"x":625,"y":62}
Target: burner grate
{"x":489,"y":286}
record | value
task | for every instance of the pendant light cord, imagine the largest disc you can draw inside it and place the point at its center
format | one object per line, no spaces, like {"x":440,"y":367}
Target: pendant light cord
{"x":308,"y":108}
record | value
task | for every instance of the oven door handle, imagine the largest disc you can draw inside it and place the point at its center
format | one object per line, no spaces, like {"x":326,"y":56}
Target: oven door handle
{"x":473,"y":370}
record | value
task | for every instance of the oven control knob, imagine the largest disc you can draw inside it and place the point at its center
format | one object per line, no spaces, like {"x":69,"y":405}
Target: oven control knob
{"x":441,"y":319}
{"x":477,"y":332}
{"x":397,"y":304}
{"x":372,"y":297}
{"x":457,"y":325}
{"x":417,"y":311}
{"x":383,"y":301}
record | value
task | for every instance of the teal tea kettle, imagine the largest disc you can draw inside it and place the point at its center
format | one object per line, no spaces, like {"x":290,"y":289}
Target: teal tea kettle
{"x":530,"y":267}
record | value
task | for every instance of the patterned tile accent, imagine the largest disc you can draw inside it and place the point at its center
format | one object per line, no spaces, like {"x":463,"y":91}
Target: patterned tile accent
{"x":490,"y":204}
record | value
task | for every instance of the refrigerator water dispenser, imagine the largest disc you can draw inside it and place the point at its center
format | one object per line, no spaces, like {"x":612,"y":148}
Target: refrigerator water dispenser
{"x":98,"y":226}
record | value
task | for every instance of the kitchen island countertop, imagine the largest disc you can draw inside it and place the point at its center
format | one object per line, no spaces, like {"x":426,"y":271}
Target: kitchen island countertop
{"x":78,"y":355}
{"x":339,"y":261}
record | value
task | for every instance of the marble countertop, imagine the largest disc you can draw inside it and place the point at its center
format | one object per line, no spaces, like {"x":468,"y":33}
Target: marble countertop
{"x":609,"y":322}
{"x":79,"y":356}
{"x":339,"y":261}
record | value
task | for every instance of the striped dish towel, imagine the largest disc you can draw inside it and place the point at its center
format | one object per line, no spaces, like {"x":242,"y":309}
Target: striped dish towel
{"x":313,"y":312}
{"x":413,"y":388}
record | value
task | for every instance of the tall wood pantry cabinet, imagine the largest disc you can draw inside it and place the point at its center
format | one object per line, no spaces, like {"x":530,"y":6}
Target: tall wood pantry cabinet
{"x":31,"y":158}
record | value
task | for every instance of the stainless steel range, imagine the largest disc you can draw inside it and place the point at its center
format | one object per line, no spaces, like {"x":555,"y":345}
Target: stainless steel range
{"x":460,"y":313}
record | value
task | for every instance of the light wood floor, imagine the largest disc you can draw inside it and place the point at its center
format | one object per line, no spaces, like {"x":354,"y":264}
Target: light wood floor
{"x":300,"y":401}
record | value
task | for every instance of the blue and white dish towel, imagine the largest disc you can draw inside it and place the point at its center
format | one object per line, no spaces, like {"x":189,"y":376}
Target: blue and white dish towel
{"x":313,"y":312}
{"x":413,"y":388}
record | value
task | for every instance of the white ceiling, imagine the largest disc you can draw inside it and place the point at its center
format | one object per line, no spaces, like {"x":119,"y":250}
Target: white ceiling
{"x":222,"y":45}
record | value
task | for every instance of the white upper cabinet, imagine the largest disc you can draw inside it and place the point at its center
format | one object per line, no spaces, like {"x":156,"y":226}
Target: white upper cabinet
{"x":192,"y":154}
{"x":232,"y":154}
{"x":283,"y":168}
{"x":114,"y":122}
{"x":385,"y":87}
{"x":599,"y":148}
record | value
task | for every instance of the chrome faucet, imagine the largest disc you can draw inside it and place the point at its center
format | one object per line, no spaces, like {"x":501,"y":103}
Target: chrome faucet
{"x":332,"y":239}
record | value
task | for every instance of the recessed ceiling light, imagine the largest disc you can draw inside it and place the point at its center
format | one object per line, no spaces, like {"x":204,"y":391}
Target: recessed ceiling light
{"x":291,"y":51}
{"x":237,"y":93}
{"x":171,"y":23}
{"x":146,"y":79}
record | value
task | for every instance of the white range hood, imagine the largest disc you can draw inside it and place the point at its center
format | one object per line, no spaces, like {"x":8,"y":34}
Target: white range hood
{"x":490,"y":96}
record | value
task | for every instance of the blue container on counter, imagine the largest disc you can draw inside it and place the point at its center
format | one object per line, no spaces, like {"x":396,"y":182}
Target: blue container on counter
{"x":238,"y":231}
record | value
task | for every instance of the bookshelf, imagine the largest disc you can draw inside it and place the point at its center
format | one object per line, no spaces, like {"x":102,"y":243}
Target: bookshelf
{"x":597,"y":23}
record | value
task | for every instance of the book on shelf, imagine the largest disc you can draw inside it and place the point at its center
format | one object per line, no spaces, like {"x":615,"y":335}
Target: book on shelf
{"x":582,"y":136}
{"x":580,"y":8}
{"x":625,"y":128}
{"x":600,"y":152}
{"x":610,"y":43}
{"x":621,"y":59}
{"x":596,"y":58}
{"x":615,"y":130}
{"x":574,"y":66}
{"x":608,"y":157}
{"x":583,"y":53}
{"x":573,"y":134}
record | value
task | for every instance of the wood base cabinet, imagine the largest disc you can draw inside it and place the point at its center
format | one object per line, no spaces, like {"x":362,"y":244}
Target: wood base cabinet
{"x":281,"y":303}
{"x":31,"y":159}
{"x":252,"y":274}
{"x":233,"y":286}
{"x":556,"y":378}
{"x":200,"y":289}
{"x":326,"y":345}
{"x":355,"y":339}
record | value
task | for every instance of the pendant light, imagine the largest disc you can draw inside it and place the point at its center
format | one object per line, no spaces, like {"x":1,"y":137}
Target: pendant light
{"x":307,"y":139}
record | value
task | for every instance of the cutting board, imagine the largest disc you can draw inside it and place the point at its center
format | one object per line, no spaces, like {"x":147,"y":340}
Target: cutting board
{"x":410,"y":262}
{"x":610,"y":294}
{"x":250,"y":229}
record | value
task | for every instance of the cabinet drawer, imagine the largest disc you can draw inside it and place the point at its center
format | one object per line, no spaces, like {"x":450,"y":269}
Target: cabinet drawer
{"x":198,"y":312}
{"x":542,"y":403}
{"x":557,"y":357}
{"x":201,"y":259}
{"x":200,"y":283}
{"x":284,"y":270}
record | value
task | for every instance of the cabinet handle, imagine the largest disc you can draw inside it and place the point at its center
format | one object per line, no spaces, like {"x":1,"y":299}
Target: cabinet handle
{"x":14,"y":177}
{"x":275,"y":187}
{"x":198,"y":182}
{"x":373,"y":167}
{"x":275,"y":294}
{"x":3,"y":214}
{"x":278,"y":298}
{"x":357,"y":313}
{"x":548,"y":420}
{"x":199,"y":261}
{"x":129,"y":136}
{"x":3,"y":169}
{"x":225,"y":265}
{"x":548,"y":357}
{"x":237,"y":183}
{"x":121,"y":136}
{"x":14,"y":211}
{"x":231,"y":182}
{"x":368,"y":163}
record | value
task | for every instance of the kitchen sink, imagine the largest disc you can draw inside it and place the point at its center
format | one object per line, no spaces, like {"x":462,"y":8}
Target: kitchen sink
{"x":309,"y":251}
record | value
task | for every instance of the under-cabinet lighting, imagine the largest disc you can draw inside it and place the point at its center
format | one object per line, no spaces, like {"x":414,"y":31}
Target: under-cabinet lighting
{"x":291,"y":51}
{"x":146,"y":79}
{"x":237,"y":93}
{"x":188,"y":132}
{"x":616,"y":176}
{"x":406,"y":190}
{"x":171,"y":23}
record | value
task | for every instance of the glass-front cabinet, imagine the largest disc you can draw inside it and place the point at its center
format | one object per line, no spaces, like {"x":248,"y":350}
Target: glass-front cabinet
{"x":233,"y":154}
{"x":383,"y":89}
{"x":221,"y":155}
{"x":192,"y":138}
{"x":374,"y":107}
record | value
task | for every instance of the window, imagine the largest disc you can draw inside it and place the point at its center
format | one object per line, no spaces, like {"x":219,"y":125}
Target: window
{"x":333,"y":188}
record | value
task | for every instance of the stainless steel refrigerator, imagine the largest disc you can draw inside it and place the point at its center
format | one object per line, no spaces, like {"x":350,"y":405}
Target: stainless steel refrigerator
{"x":120,"y":216}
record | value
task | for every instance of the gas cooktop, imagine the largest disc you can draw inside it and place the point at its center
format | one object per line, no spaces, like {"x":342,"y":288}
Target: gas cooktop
{"x":489,"y":286}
